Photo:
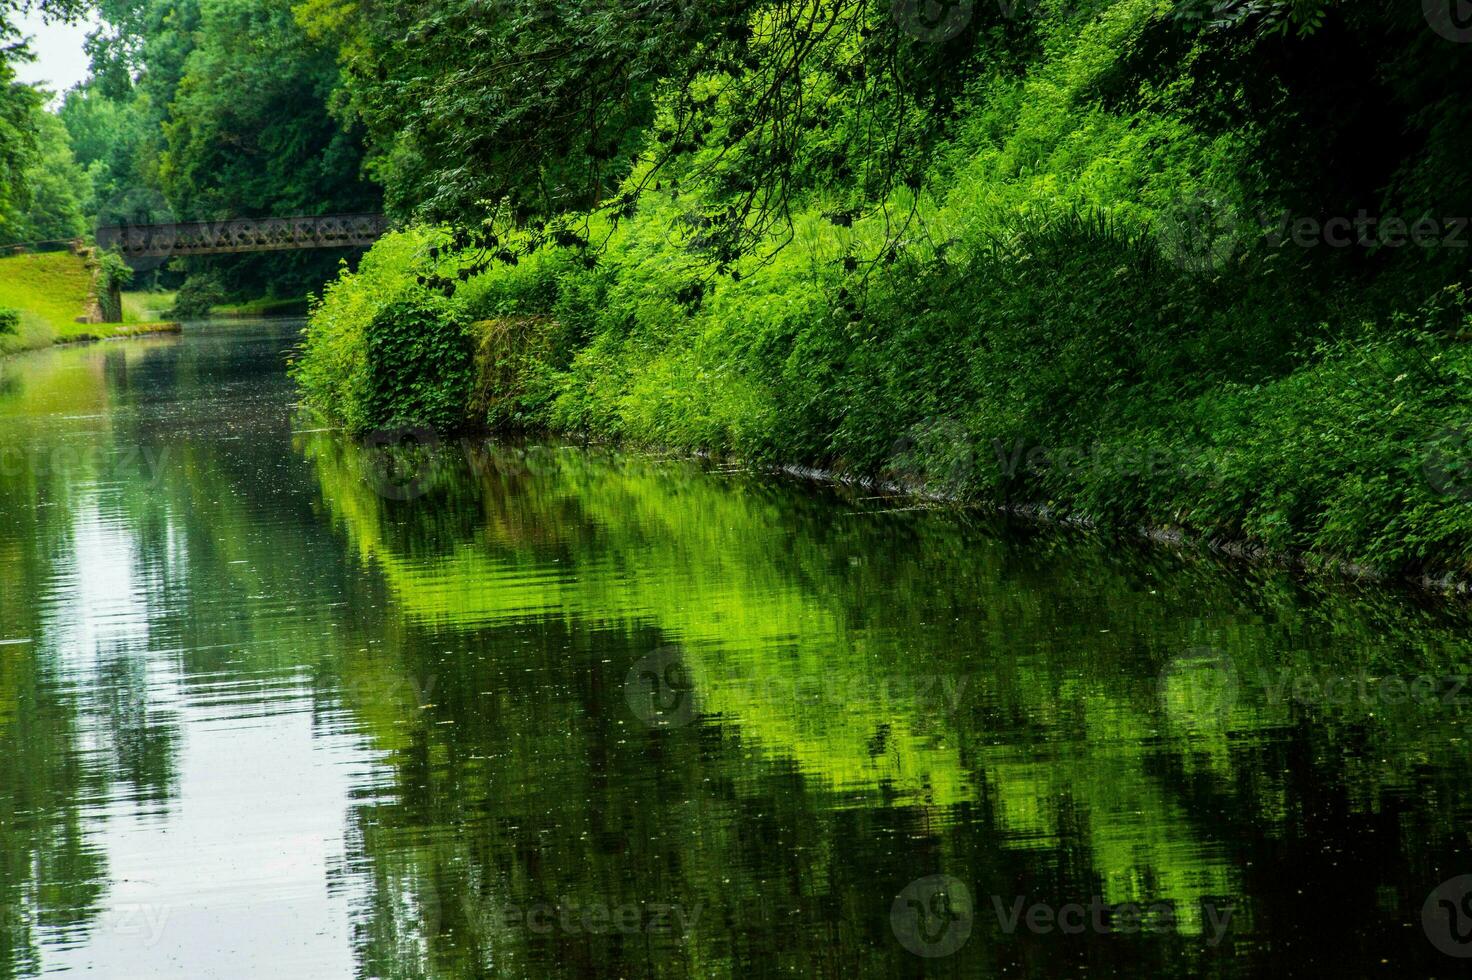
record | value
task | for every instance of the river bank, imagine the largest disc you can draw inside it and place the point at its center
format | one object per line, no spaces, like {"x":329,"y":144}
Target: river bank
{"x":1071,"y":304}
{"x":1084,"y":408}
{"x":888,"y":495}
{"x":52,"y":292}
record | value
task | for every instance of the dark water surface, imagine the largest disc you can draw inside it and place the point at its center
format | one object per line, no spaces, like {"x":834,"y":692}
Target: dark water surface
{"x":271,"y":706}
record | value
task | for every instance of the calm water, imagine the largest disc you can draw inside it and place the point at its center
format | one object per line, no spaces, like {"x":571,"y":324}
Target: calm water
{"x":275,"y":705}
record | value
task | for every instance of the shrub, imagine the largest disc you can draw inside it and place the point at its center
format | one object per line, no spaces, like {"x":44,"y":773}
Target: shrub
{"x":331,"y":368}
{"x":9,"y":321}
{"x":1080,"y":319}
{"x":512,"y":381}
{"x":418,"y":359}
{"x":113,"y":272}
{"x":199,"y":295}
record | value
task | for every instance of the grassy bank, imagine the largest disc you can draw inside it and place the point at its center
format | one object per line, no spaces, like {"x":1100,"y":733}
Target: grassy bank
{"x":144,"y":307}
{"x":1041,"y":325}
{"x":49,"y":290}
{"x":264,"y":307}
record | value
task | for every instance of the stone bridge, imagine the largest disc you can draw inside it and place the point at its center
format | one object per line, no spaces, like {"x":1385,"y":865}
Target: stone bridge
{"x":243,"y":235}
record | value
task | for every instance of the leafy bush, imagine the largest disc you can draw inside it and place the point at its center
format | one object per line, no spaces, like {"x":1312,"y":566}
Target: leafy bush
{"x":418,"y":356}
{"x":199,"y":295}
{"x":332,"y":366}
{"x":511,"y":375}
{"x":112,"y":271}
{"x":1048,"y":332}
{"x":112,"y":275}
{"x":9,"y":320}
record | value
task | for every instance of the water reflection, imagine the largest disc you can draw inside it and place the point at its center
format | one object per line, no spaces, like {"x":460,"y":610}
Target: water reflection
{"x":163,"y":603}
{"x":271,"y":708}
{"x":644,"y":683}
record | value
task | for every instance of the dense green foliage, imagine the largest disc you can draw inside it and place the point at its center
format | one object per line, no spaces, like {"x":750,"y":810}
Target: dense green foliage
{"x":9,"y":320}
{"x":197,"y":296}
{"x":248,"y":135}
{"x":111,"y":276}
{"x":247,"y":131}
{"x":197,"y":109}
{"x":1094,"y":298}
{"x":41,"y":188}
{"x":484,"y":112}
{"x":418,"y":365}
{"x":1157,"y":262}
{"x":112,"y":271}
{"x":393,"y":355}
{"x":51,"y":188}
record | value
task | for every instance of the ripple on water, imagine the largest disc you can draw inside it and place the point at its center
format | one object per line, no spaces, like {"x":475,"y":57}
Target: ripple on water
{"x":261,"y":720}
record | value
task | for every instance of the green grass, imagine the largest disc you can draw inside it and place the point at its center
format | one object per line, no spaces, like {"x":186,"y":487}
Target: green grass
{"x":265,"y":306}
{"x":147,"y":307}
{"x":50,"y":290}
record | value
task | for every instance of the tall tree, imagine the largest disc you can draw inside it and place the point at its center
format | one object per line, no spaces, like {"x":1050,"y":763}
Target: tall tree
{"x":219,"y":108}
{"x":19,"y":145}
{"x":55,"y":187}
{"x":249,"y":133}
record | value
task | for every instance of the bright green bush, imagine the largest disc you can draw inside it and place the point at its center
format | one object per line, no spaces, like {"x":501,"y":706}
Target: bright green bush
{"x":9,"y":320}
{"x":332,"y":366}
{"x":418,"y":357}
{"x":199,"y":295}
{"x":1042,"y":334}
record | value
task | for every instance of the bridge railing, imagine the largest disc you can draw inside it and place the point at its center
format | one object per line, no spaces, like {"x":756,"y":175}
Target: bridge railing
{"x":243,"y":235}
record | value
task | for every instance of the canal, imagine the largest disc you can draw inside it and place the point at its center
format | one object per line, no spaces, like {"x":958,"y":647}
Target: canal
{"x":274,"y":703}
